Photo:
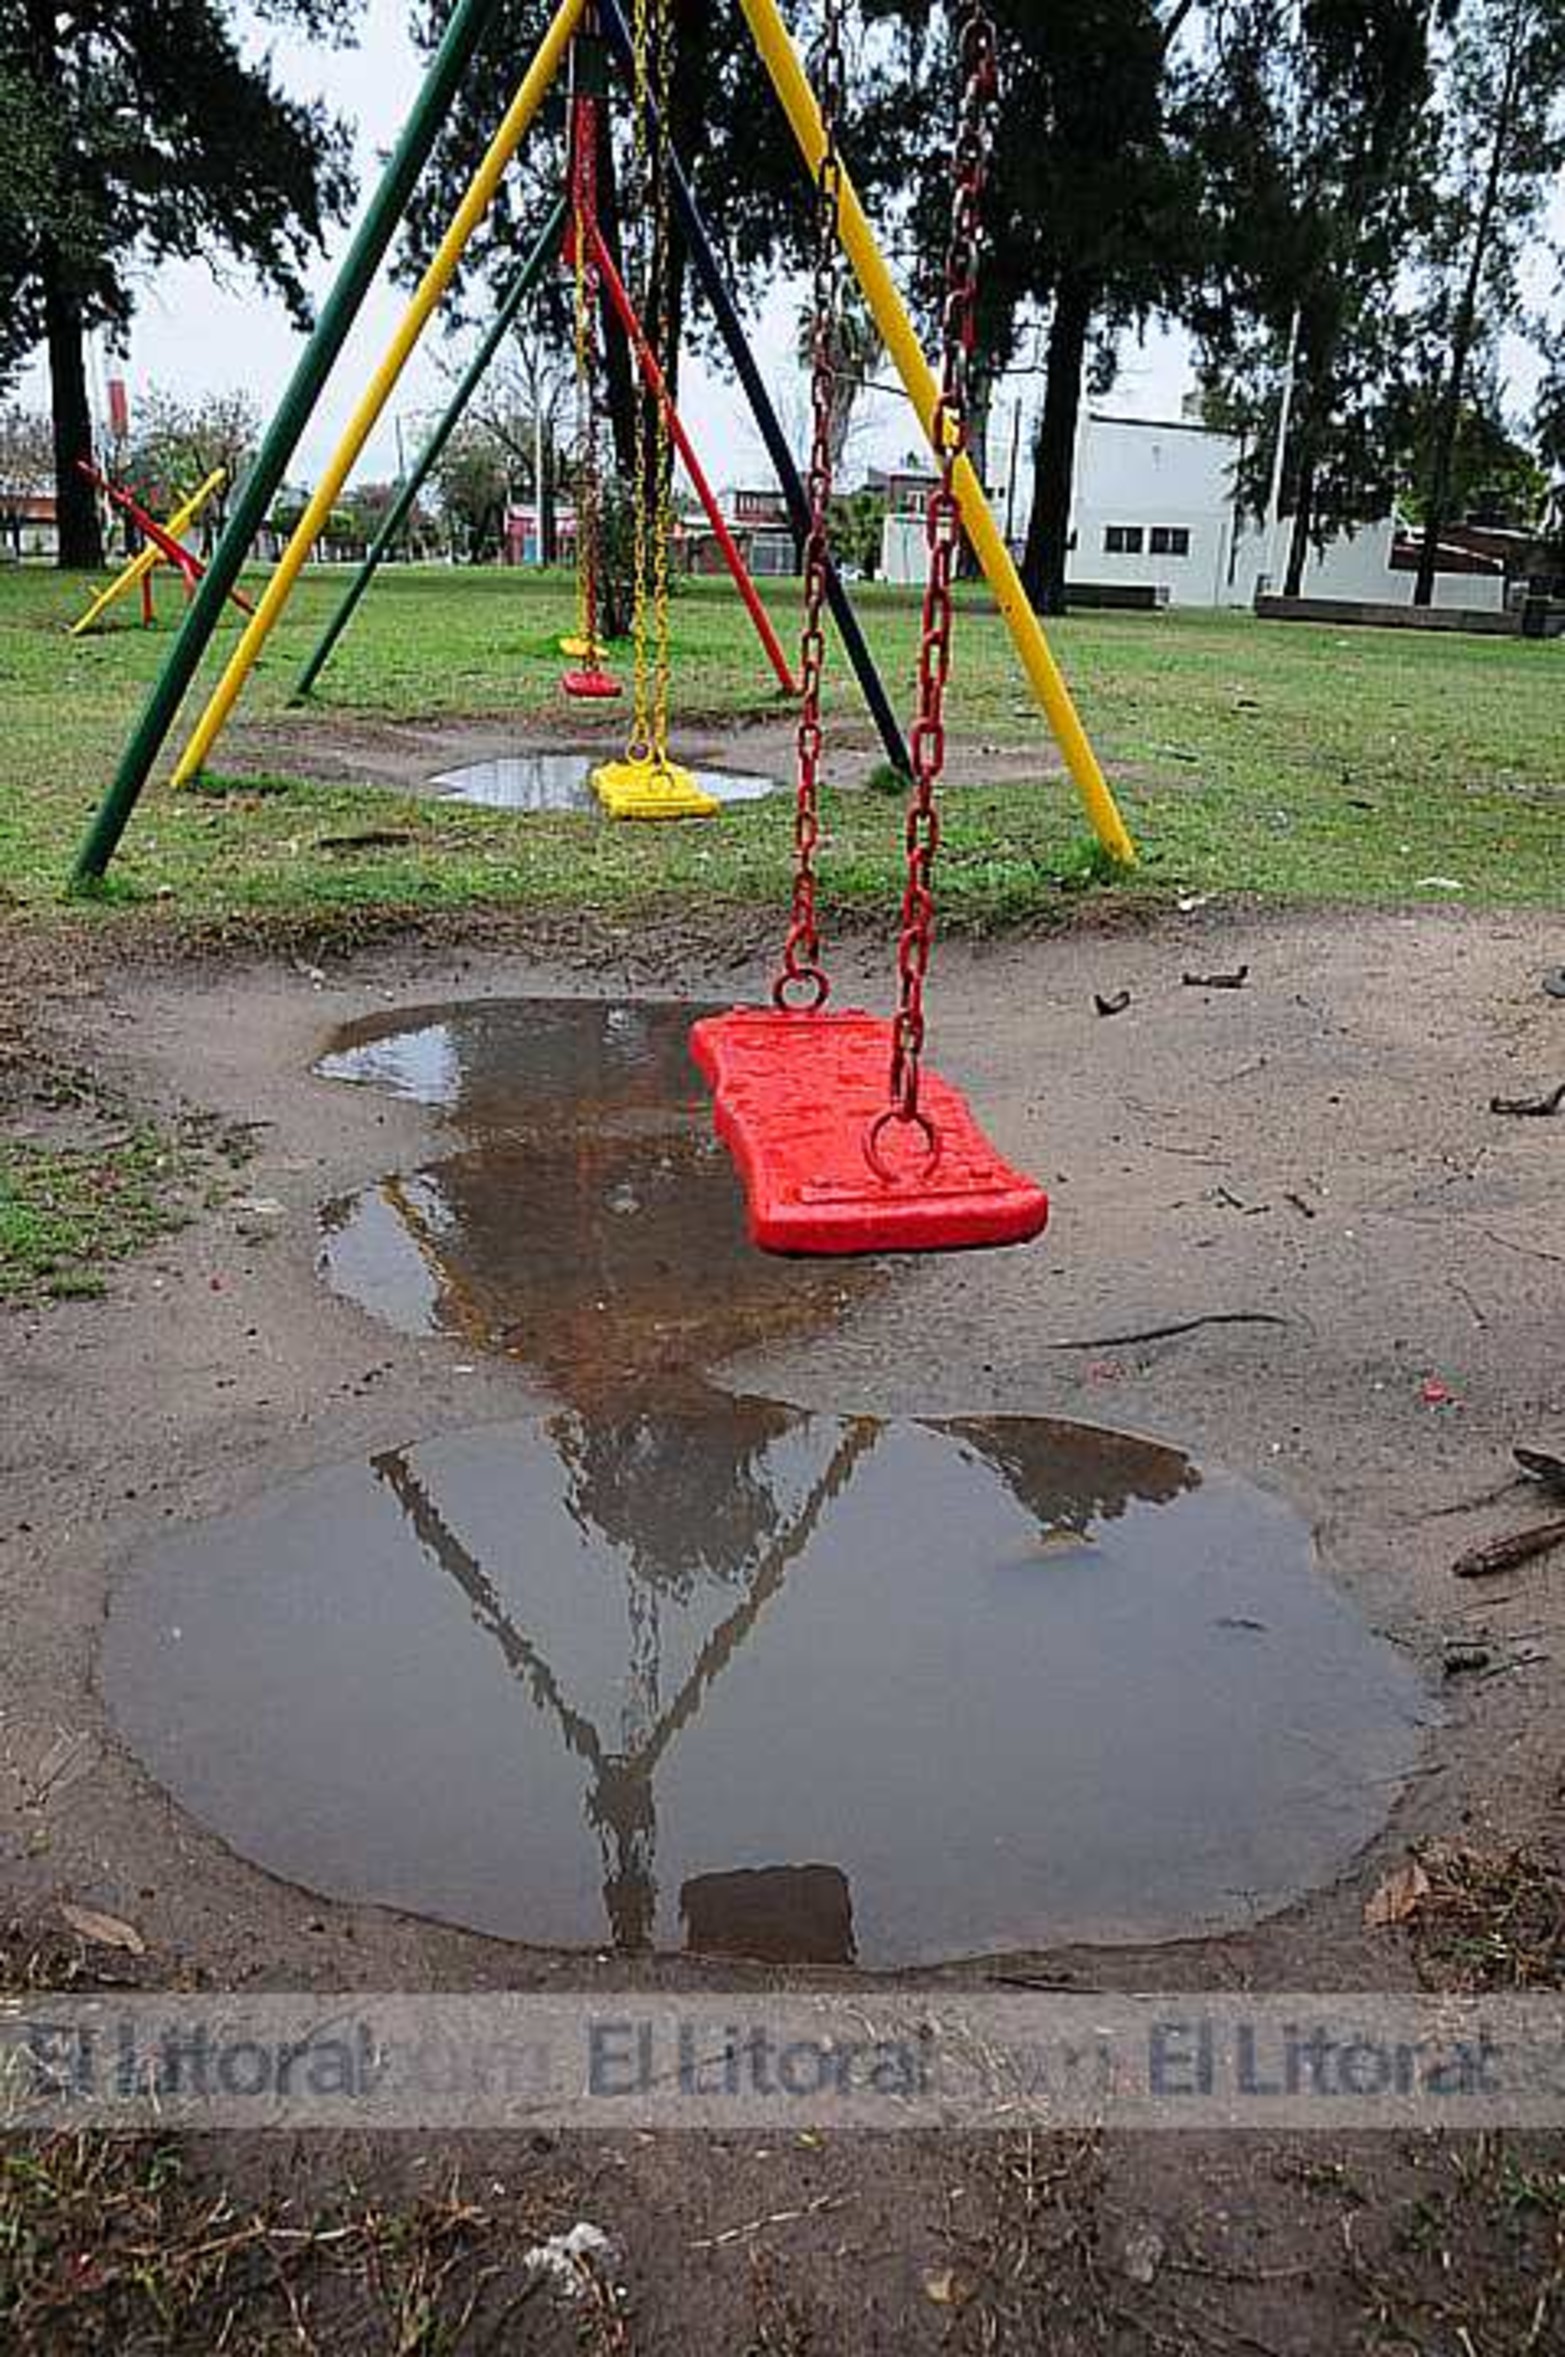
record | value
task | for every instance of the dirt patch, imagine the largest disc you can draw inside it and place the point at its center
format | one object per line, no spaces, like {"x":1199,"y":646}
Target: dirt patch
{"x":1314,"y":1148}
{"x":350,"y":749}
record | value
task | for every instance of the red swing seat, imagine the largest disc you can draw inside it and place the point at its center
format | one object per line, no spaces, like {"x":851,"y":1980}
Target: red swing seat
{"x":799,"y":1099}
{"x":838,"y":1150}
{"x":589,"y":683}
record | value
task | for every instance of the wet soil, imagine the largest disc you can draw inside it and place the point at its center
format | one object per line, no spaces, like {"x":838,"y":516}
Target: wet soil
{"x":1316,"y":1148}
{"x":416,"y":756}
{"x":1020,"y":1681}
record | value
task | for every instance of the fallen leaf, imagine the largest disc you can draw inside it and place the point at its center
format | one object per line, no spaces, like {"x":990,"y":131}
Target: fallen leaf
{"x":1398,"y":1897}
{"x":1542,"y":1466}
{"x":944,"y":2287}
{"x":1142,"y":2254}
{"x":104,"y":1931}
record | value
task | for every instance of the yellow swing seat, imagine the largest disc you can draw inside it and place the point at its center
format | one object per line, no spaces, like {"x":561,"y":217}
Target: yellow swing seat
{"x":650,"y":788}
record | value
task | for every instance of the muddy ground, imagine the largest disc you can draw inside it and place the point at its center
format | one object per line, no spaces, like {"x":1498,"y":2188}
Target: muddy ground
{"x":353,"y":749}
{"x":1315,"y":1148}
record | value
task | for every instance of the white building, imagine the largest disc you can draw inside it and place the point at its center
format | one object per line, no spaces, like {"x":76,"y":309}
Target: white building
{"x":1154,"y":508}
{"x":1154,"y":512}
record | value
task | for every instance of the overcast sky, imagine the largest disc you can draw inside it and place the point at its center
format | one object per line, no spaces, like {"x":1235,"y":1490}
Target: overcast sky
{"x":195,"y":333}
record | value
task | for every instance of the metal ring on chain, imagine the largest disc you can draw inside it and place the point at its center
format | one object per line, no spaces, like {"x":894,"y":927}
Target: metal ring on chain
{"x":875,"y":1131}
{"x":815,"y":978}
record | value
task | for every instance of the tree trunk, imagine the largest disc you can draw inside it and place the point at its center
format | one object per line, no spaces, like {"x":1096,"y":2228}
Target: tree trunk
{"x":76,"y":503}
{"x":616,"y":347}
{"x":1449,"y":417}
{"x":1054,"y":452}
{"x":1303,"y":518}
{"x":548,"y":514}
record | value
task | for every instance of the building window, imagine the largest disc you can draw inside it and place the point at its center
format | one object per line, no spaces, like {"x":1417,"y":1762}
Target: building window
{"x":1170,"y":540}
{"x":1122,"y":540}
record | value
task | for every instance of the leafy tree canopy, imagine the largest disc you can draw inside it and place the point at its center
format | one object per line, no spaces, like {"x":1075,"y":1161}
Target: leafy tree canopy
{"x":138,"y":131}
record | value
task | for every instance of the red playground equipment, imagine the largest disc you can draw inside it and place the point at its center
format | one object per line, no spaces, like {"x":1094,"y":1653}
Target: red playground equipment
{"x":843,"y":1142}
{"x":588,"y":254}
{"x":161,"y":546}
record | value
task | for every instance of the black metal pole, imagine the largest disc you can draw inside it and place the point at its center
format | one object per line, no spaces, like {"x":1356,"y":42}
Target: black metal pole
{"x":731,"y":328}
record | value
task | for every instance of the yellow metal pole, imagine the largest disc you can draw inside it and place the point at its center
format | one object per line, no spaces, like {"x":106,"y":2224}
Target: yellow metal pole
{"x":480,"y":195}
{"x":798,"y":102}
{"x":150,"y":557}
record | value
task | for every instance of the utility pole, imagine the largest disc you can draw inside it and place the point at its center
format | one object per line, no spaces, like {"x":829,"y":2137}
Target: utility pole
{"x":1010,"y":472}
{"x":1279,"y":453}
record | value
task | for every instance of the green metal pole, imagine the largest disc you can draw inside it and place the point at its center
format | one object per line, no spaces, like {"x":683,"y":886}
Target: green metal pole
{"x":401,"y":508}
{"x":470,"y":21}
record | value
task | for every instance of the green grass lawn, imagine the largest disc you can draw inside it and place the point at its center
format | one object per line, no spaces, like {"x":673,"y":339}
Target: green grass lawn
{"x":1295,"y":760}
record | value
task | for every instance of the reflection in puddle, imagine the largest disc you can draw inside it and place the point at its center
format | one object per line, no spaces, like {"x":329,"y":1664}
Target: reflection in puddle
{"x":563,"y":781}
{"x":590,"y":1224}
{"x":772,"y":1683}
{"x":516,"y":1063}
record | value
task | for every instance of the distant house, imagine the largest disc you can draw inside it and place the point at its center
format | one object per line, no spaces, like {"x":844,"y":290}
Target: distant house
{"x":519,"y":545}
{"x":29,"y":527}
{"x":905,"y":488}
{"x":758,"y":521}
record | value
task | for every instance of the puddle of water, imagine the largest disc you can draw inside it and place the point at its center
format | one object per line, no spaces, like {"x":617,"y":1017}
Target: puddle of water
{"x":758,"y":1681}
{"x":521,"y":1063}
{"x":589,"y":1224}
{"x":563,"y":781}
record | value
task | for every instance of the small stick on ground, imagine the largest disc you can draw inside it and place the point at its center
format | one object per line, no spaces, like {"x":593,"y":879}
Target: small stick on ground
{"x":1531,"y":1108}
{"x":1216,"y":1317}
{"x":1505,"y":1554}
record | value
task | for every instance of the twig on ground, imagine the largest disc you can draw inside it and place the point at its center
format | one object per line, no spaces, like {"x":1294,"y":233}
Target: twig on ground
{"x":755,"y":2226}
{"x":1507,"y":1553}
{"x":1531,"y":1108}
{"x":1216,"y":1317}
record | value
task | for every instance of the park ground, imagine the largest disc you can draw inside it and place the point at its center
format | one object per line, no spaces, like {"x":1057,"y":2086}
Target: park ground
{"x":1371,"y":827}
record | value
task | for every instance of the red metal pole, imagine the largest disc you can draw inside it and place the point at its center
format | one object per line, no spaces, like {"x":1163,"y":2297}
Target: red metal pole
{"x":614,"y":286}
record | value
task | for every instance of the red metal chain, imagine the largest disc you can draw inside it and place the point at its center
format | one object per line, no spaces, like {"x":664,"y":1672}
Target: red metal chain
{"x":802,"y":970}
{"x":584,"y":211}
{"x":943,"y":534}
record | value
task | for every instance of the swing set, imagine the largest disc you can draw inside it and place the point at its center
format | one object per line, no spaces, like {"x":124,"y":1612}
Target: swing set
{"x":844,"y":1142}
